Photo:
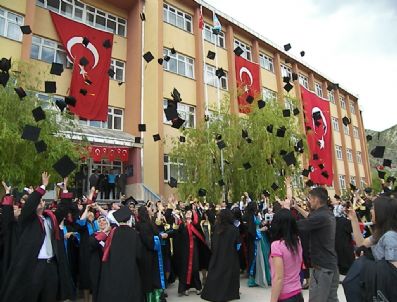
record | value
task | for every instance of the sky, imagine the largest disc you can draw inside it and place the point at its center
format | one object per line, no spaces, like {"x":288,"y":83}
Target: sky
{"x":352,"y":42}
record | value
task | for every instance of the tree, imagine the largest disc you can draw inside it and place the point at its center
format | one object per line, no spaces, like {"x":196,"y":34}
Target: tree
{"x":20,"y":164}
{"x":201,"y":156}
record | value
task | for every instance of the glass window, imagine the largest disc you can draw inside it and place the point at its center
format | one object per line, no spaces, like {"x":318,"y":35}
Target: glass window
{"x":48,"y":51}
{"x":331,"y":97}
{"x":335,"y":124}
{"x":342,"y":181}
{"x":346,"y":130}
{"x":209,"y":36}
{"x":266,"y":62}
{"x":119,"y":68}
{"x":179,"y":64}
{"x":358,"y":156}
{"x":212,"y":79}
{"x":9,"y":25}
{"x":363,"y":182}
{"x":353,"y":180}
{"x":286,"y":71}
{"x":114,"y":122}
{"x":355,"y":131}
{"x":186,"y":112}
{"x":342,"y":102}
{"x":303,"y":80}
{"x":174,"y":168}
{"x":268,"y":95}
{"x":247,"y":49}
{"x":318,"y":89}
{"x":176,"y":17}
{"x":349,"y":154}
{"x":352,"y":108}
{"x":338,"y":150}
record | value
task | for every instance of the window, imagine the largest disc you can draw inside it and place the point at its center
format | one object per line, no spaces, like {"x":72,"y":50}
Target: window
{"x":358,"y":156}
{"x":288,"y":104}
{"x":268,"y":95}
{"x":212,"y":38}
{"x":318,"y":89}
{"x":352,"y":108}
{"x":346,"y":130}
{"x":353,"y":180}
{"x":114,"y":122}
{"x":342,"y":181}
{"x":247,"y":49}
{"x":9,"y":25}
{"x":303,"y":80}
{"x":81,"y":12}
{"x":355,"y":131}
{"x":179,"y":64}
{"x":338,"y":150}
{"x":186,"y":112}
{"x":48,"y":51}
{"x":48,"y":101}
{"x":335,"y":124}
{"x":342,"y":102}
{"x":119,"y":68}
{"x":349,"y":154}
{"x":177,"y":18}
{"x":286,"y":71}
{"x":331,"y":97}
{"x":266,"y":62}
{"x":174,"y":168}
{"x":212,"y":79}
{"x":363,"y":182}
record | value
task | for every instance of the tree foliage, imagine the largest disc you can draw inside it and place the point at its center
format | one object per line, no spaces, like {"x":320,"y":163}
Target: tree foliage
{"x":202,"y":157}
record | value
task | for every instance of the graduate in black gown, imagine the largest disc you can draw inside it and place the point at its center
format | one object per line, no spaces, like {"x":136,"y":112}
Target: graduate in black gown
{"x":223,"y":279}
{"x":120,"y":278}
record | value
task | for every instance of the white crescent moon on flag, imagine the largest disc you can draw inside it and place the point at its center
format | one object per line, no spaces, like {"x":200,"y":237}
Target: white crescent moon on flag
{"x":76,"y":40}
{"x":245,"y":70}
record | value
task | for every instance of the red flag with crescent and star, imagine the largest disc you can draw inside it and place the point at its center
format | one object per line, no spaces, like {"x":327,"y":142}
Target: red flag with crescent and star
{"x":319,"y":137}
{"x":248,"y":83}
{"x":91,"y":61}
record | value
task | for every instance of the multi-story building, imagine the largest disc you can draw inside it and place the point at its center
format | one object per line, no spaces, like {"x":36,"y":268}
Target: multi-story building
{"x":173,"y":24}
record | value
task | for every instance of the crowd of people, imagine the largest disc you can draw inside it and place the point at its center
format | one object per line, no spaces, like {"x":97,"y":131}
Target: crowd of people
{"x":131,"y":251}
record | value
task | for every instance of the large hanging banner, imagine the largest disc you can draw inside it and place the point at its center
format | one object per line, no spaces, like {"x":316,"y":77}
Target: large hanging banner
{"x":248,"y":83}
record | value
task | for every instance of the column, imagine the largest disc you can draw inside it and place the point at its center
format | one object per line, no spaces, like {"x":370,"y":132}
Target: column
{"x":277,"y":72}
{"x":27,"y":39}
{"x":354,"y":149}
{"x":232,"y":83}
{"x":199,"y":71}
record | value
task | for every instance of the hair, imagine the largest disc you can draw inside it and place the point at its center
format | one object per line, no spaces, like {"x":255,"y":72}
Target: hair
{"x":224,"y":218}
{"x":385,"y":216}
{"x":284,"y":227}
{"x":321,"y":193}
{"x":251,"y":208}
{"x":143,"y":214}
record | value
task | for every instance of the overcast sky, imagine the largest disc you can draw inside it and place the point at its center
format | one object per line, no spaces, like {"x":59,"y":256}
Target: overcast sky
{"x":353,"y":42}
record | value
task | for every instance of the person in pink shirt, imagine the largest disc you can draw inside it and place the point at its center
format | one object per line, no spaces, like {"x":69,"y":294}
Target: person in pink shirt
{"x":285,"y":258}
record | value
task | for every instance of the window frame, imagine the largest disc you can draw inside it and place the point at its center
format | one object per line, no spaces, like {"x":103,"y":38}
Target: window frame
{"x":335,"y":123}
{"x":355,"y":132}
{"x":219,"y":38}
{"x":214,"y":81}
{"x":268,"y":94}
{"x":54,"y":46}
{"x":286,"y":71}
{"x":104,"y":125}
{"x":338,"y":152}
{"x":178,"y":58}
{"x":359,"y":157}
{"x":346,"y":130}
{"x":114,"y":67}
{"x":168,"y":162}
{"x":266,"y":62}
{"x":183,"y":110}
{"x":352,"y":108}
{"x":342,"y":181}
{"x":349,"y":155}
{"x":187,"y":18}
{"x":247,"y":54}
{"x":8,"y":20}
{"x":303,"y":80}
{"x":318,"y":89}
{"x":342,"y":102}
{"x":331,"y":97}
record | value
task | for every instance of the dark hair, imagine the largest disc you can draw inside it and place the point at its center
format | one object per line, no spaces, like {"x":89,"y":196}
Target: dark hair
{"x":321,"y":193}
{"x":143,"y":214}
{"x":385,"y":216}
{"x":251,"y":208}
{"x":284,"y":227}
{"x":224,"y":218}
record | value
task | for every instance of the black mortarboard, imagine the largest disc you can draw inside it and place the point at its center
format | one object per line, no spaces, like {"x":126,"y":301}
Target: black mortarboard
{"x":211,"y":55}
{"x":249,"y":99}
{"x":381,"y":174}
{"x":148,"y":57}
{"x":182,"y":139}
{"x":87,"y":81}
{"x":306,"y":172}
{"x":261,"y":104}
{"x":368,"y":190}
{"x":61,"y":104}
{"x":387,"y":163}
{"x":111,"y":72}
{"x":269,"y":128}
{"x":369,"y":138}
{"x":346,"y":121}
{"x":286,"y":113}
{"x":221,"y":183}
{"x":288,"y":87}
{"x":353,"y":187}
{"x":290,"y":159}
{"x":167,"y":58}
{"x":309,"y":183}
{"x":266,"y":193}
{"x":123,"y":214}
{"x":107,"y":43}
{"x":41,"y":146}
{"x":20,"y":92}
{"x":83,"y":61}
{"x":173,"y":183}
{"x":176,"y":96}
{"x":177,"y":123}
{"x":4,"y":77}
{"x":137,"y":139}
{"x":70,"y":100}
{"x":56,"y":68}
{"x":316,"y":115}
{"x":238,"y":51}
{"x":302,"y":53}
{"x":142,"y":127}
{"x":50,"y":87}
{"x":274,"y":186}
{"x":221,"y":144}
{"x":296,"y":111}
{"x":287,"y":46}
{"x":330,"y":86}
{"x":25,"y":29}
{"x":143,"y":17}
{"x":173,"y":51}
{"x":286,"y":79}
{"x":202,"y":192}
{"x":378,"y":152}
{"x":38,"y":114}
{"x":294,"y":76}
{"x":281,"y":131}
{"x":218,"y":136}
{"x":336,"y":196}
{"x":248,"y":140}
{"x":156,"y":137}
{"x":321,"y":166}
{"x":31,"y":133}
{"x":220,"y":72}
{"x":160,"y":61}
{"x":315,"y":156}
{"x":171,"y":113}
{"x":299,"y":144}
{"x":325,"y":174}
{"x":5,"y":64}
{"x":64,"y":166}
{"x":282,"y":152}
{"x":244,"y":133}
{"x":86,"y":41}
{"x":247,"y":166}
{"x":83,"y":91}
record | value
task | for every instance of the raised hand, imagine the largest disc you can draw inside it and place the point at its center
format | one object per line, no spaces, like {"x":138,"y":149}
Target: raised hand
{"x":45,"y":178}
{"x":7,"y":189}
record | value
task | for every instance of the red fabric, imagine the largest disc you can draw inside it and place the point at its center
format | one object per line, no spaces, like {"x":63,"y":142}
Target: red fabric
{"x":192,"y":230}
{"x":100,"y":236}
{"x":247,"y":77}
{"x":55,"y":224}
{"x":97,"y":153}
{"x":108,"y":244}
{"x":201,"y":20}
{"x":94,"y":105}
{"x":7,"y":200}
{"x":68,"y":195}
{"x":318,"y":137}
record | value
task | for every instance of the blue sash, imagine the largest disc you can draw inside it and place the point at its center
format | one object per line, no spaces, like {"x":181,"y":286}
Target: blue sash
{"x":157,"y":248}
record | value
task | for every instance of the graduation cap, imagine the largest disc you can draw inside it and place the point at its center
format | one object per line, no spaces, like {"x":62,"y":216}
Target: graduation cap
{"x":111,"y":72}
{"x":302,"y":53}
{"x":83,"y":91}
{"x":182,"y":139}
{"x":238,"y":51}
{"x":288,"y":87}
{"x":221,"y":183}
{"x":20,"y":92}
{"x":247,"y":166}
{"x":173,"y":183}
{"x":221,"y":144}
{"x":305,"y":172}
{"x":176,"y":96}
{"x":211,"y":55}
{"x":202,"y":192}
{"x":290,"y":159}
{"x":321,"y":166}
{"x":381,"y":174}
{"x":177,"y":123}
{"x":4,"y":77}
{"x":70,"y":100}
{"x":286,"y":79}
{"x":281,"y":131}
{"x":25,"y":29}
{"x":56,"y":68}
{"x":130,"y":200}
{"x":309,"y":183}
{"x":218,"y":136}
{"x":346,"y":121}
{"x":142,"y":127}
{"x":261,"y":104}
{"x":107,"y":44}
{"x":83,"y":61}
{"x":378,"y":152}
{"x":330,"y":86}
{"x":387,"y":163}
{"x":61,"y":104}
{"x":160,"y":61}
{"x":274,"y":186}
{"x":294,"y":76}
{"x":287,"y":47}
{"x":123,"y":214}
{"x":296,"y":111}
{"x":173,"y":51}
{"x":5,"y":64}
{"x":167,"y":58}
{"x":337,"y":196}
{"x":316,"y":115}
{"x":220,"y":72}
{"x":248,"y":140}
{"x":85,"y":42}
{"x":143,"y":17}
{"x":40,"y":146}
{"x":286,"y":113}
{"x":137,"y":139}
{"x":325,"y":174}
{"x":38,"y":114}
{"x":266,"y":193}
{"x":369,"y":138}
{"x":269,"y":128}
{"x":148,"y":57}
{"x":368,"y":190}
{"x":50,"y":86}
{"x":156,"y":137}
{"x":353,"y":187}
{"x":249,"y":99}
{"x":64,"y":166}
{"x":282,"y":152}
{"x":244,"y":133}
{"x":31,"y":133}
{"x":171,"y":113}
{"x":315,"y":156}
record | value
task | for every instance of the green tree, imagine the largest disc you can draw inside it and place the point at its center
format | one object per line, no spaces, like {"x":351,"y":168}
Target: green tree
{"x":20,"y":164}
{"x":202,"y":157}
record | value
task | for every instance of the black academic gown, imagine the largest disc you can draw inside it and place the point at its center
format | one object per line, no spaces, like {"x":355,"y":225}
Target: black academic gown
{"x":344,"y":244}
{"x":120,"y":279}
{"x":96,"y":253}
{"x":223,"y":279}
{"x":18,"y":279}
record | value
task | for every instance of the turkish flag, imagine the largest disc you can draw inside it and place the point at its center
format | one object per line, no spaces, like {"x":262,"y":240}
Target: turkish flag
{"x":90,"y":80}
{"x":318,"y":133}
{"x":248,"y":83}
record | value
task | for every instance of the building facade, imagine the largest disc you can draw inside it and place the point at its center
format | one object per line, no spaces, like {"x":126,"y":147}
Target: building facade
{"x":145,"y":87}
